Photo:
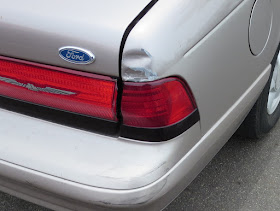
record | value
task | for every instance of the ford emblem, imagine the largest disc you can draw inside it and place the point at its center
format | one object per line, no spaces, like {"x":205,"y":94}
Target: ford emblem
{"x":76,"y":55}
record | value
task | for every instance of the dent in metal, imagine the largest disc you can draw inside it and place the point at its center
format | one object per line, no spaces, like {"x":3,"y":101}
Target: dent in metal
{"x":137,"y":66}
{"x":169,"y":30}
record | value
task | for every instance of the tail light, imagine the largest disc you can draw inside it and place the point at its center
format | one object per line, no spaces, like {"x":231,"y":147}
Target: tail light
{"x":151,"y":111}
{"x":59,"y":88}
{"x":156,"y":108}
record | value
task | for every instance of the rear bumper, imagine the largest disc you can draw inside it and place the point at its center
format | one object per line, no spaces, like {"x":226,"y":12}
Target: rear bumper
{"x":54,"y":166}
{"x":61,"y":167}
{"x":58,"y":194}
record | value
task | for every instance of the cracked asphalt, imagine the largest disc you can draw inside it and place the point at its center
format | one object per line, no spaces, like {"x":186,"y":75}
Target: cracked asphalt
{"x":244,"y":175}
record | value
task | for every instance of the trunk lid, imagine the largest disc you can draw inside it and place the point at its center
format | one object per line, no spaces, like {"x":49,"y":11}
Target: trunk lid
{"x":36,"y":30}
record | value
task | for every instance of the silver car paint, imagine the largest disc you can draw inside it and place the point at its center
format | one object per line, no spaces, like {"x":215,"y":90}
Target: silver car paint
{"x":134,"y":180}
{"x":185,"y":21}
{"x":98,"y":170}
{"x":60,"y":194}
{"x":36,"y":30}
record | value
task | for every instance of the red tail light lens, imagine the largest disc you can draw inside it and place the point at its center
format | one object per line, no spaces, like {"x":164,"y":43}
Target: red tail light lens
{"x":156,"y":104}
{"x":59,"y":88}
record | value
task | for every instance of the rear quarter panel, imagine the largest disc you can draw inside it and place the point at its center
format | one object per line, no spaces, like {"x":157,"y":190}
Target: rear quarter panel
{"x":207,"y":45}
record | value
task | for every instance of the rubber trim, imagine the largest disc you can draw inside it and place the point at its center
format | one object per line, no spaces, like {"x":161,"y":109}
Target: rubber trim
{"x":124,"y":38}
{"x":160,"y":134}
{"x":129,"y":29}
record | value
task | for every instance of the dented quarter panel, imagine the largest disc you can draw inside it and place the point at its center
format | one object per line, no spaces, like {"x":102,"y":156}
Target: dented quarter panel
{"x":188,"y":41}
{"x":169,"y":31}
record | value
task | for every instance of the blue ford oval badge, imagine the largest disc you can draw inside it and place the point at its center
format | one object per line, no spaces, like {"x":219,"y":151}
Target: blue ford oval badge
{"x":76,"y":55}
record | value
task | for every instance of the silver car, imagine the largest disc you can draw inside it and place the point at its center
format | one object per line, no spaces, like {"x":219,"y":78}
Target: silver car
{"x":120,"y":104}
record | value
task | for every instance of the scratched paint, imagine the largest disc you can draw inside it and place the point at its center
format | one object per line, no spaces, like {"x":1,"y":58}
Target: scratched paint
{"x":137,"y":66}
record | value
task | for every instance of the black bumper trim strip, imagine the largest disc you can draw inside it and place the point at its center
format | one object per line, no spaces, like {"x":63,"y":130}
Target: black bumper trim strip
{"x":91,"y":124}
{"x":160,"y":134}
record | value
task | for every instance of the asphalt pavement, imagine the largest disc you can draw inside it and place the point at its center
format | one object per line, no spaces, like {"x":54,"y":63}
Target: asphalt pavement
{"x":243,"y":176}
